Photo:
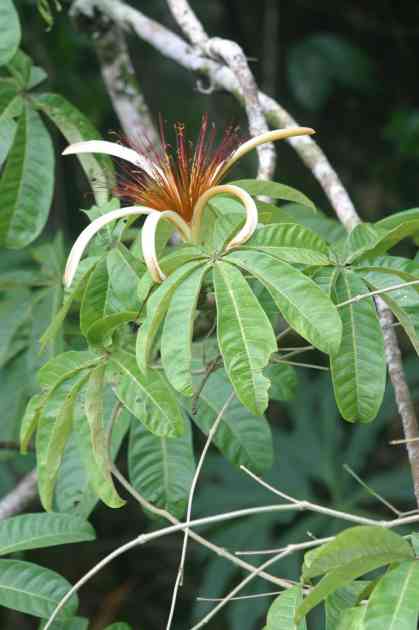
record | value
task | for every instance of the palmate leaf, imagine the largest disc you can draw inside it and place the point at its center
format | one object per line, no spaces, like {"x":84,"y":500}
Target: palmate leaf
{"x":36,"y":531}
{"x":359,"y":370}
{"x":394,"y":602}
{"x":125,"y":271}
{"x":281,"y":612}
{"x":351,"y":619}
{"x":324,"y":277}
{"x":98,"y":299}
{"x":258,"y":187}
{"x":176,"y":341}
{"x":64,"y":366}
{"x":245,"y":336}
{"x":157,"y":306}
{"x":290,"y":239}
{"x":361,"y":240}
{"x":243,"y":438}
{"x":301,"y":302}
{"x":76,"y":127}
{"x":148,"y":396}
{"x":161,"y":468}
{"x":9,"y":31}
{"x":101,"y":331}
{"x":26,"y":184}
{"x":34,"y":590}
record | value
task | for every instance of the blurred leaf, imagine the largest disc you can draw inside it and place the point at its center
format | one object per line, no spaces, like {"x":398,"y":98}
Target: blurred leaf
{"x":243,"y":438}
{"x":14,"y":311}
{"x":30,"y":420}
{"x":176,"y":341}
{"x":44,"y":8}
{"x":319,"y":62}
{"x":11,"y":102}
{"x":119,"y":626}
{"x":394,"y":602}
{"x":9,"y":31}
{"x":258,"y":187}
{"x":36,"y":531}
{"x":20,"y":68}
{"x":359,"y":370}
{"x":305,"y":307}
{"x":101,"y":331}
{"x":34,"y":590}
{"x":351,"y":619}
{"x":281,"y":612}
{"x":283,"y":379}
{"x":245,"y":336}
{"x":76,"y":127}
{"x":7,"y":134}
{"x":148,"y":396}
{"x":125,"y":270}
{"x":26,"y":184}
{"x":329,"y":229}
{"x":161,"y":468}
{"x":75,"y":623}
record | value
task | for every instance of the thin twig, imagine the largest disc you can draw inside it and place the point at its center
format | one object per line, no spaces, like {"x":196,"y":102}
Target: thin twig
{"x":179,"y":577}
{"x":257,"y":552}
{"x":371,"y":490}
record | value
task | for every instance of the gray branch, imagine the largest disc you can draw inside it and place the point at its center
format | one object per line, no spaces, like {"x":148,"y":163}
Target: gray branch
{"x":20,"y":497}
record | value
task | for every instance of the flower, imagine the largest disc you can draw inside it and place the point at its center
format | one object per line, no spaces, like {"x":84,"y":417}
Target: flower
{"x":174,"y":187}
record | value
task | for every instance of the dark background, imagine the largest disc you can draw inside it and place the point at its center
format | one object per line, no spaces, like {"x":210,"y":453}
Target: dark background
{"x":351,"y":73}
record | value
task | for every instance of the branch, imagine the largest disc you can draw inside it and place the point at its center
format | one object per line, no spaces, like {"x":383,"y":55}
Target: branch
{"x":122,"y":85}
{"x":20,"y":497}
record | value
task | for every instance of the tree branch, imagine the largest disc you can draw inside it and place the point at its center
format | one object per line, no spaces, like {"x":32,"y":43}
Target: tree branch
{"x":20,"y":497}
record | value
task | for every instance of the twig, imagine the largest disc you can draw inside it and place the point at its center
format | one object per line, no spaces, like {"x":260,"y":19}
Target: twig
{"x":257,"y":552}
{"x":211,"y":367}
{"x":363,"y":296}
{"x":235,"y":599}
{"x":9,"y":445}
{"x":286,"y":552}
{"x":371,"y":490}
{"x":220,"y":551}
{"x":20,"y":497}
{"x":179,"y":577}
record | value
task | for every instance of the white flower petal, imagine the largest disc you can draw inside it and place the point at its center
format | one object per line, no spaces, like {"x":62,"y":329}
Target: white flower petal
{"x":263,"y":138}
{"x":89,"y":232}
{"x":251,"y":222}
{"x":148,"y":240}
{"x":111,"y":148}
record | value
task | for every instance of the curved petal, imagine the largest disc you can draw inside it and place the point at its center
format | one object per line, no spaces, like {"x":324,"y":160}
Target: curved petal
{"x":110,"y":148}
{"x":269,"y":136}
{"x":248,"y":228}
{"x":88,"y":233}
{"x":148,"y":239}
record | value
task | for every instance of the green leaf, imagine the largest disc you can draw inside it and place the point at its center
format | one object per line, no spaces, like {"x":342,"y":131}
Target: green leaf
{"x":20,"y":68}
{"x":125,"y":272}
{"x":341,"y":600}
{"x":96,"y":463}
{"x":64,"y":366}
{"x":11,"y":101}
{"x":176,"y":341}
{"x":325,"y":278}
{"x":84,"y":270}
{"x":351,"y":619}
{"x":245,"y":336}
{"x":34,"y":590}
{"x":45,"y":10}
{"x":30,"y":420}
{"x":355,"y":543}
{"x":394,"y":602}
{"x":344,"y":575}
{"x":148,"y":396}
{"x":76,"y":127}
{"x":161,"y":468}
{"x":98,"y":299}
{"x":359,"y":370}
{"x":291,"y":242}
{"x":7,"y":134}
{"x":301,"y":302}
{"x":10,"y":33}
{"x":283,"y":381}
{"x":258,"y":187}
{"x":98,"y":440}
{"x":362,"y":239}
{"x":395,"y":235}
{"x":281,"y":612}
{"x":119,"y":626}
{"x":55,"y":424}
{"x":243,"y":438}
{"x":157,"y":307}
{"x":73,"y":492}
{"x":331,"y":230}
{"x":36,"y":531}
{"x":26,"y":184}
{"x":14,"y":311}
{"x":397,"y":219}
{"x":100,"y":333}
{"x":384,"y":278}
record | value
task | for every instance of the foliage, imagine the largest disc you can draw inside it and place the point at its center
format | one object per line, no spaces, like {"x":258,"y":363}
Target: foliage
{"x":118,"y":355}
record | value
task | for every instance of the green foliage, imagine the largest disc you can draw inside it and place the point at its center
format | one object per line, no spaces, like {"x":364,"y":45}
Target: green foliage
{"x":281,"y":612}
{"x":9,"y":31}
